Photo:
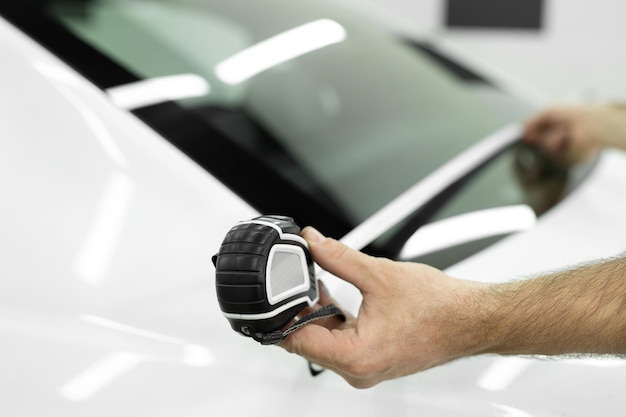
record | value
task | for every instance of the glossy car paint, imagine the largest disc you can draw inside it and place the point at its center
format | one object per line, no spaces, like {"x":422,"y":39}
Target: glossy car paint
{"x":107,"y":300}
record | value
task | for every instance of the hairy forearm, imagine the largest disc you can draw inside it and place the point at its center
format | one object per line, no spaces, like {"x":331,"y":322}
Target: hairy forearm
{"x":582,"y":310}
{"x":613,"y":117}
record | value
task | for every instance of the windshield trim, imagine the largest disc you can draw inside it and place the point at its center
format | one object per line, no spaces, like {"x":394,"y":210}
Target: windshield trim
{"x":431,"y":186}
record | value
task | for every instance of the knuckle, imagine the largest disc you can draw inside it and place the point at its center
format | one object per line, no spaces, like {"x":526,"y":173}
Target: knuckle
{"x":386,"y":272}
{"x":361,"y":375}
{"x":359,"y":368}
{"x":340,"y":251}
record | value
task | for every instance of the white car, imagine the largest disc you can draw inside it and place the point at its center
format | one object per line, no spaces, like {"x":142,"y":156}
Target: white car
{"x":135,"y":134}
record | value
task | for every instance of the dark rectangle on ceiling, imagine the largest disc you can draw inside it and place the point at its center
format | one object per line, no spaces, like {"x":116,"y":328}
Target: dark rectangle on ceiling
{"x":501,"y":14}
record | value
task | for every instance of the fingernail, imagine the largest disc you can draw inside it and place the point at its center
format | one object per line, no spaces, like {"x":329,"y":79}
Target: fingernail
{"x":312,"y":235}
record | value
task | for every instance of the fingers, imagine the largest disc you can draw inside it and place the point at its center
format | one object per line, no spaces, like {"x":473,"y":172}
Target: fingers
{"x":325,"y":299}
{"x":346,"y":263}
{"x":555,"y":141}
{"x":320,"y":342}
{"x":326,"y":347}
{"x":337,"y":351}
{"x":557,"y":131}
{"x":550,"y":123}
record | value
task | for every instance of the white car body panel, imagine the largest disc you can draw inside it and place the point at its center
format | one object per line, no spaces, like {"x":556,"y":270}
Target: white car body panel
{"x":587,"y":226}
{"x":107,"y":302}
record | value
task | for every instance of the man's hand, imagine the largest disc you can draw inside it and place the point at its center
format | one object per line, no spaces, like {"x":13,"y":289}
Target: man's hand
{"x":412,"y":317}
{"x":572,"y":134}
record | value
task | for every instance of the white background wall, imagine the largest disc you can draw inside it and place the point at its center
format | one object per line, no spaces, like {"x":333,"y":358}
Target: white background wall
{"x":582,"y":45}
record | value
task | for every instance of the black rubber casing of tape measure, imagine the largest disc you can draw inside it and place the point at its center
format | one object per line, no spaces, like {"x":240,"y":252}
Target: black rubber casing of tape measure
{"x":264,"y":275}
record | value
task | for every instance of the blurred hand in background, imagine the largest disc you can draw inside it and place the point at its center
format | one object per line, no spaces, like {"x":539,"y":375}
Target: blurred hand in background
{"x":572,"y":134}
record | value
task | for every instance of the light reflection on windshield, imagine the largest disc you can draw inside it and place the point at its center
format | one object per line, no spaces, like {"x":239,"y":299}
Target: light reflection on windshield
{"x":278,"y":49}
{"x":158,"y":90}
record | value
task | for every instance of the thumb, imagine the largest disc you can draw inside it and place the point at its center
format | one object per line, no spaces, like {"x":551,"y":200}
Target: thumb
{"x":340,"y":260}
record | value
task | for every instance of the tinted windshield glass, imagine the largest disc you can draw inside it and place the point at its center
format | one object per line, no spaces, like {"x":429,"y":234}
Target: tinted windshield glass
{"x":300,"y":107}
{"x":360,"y":114}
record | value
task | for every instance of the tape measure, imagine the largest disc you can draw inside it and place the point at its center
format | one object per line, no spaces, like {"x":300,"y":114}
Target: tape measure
{"x":265,"y":276}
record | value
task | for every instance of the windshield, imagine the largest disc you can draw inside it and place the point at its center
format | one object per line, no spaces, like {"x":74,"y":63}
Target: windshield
{"x":300,"y":107}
